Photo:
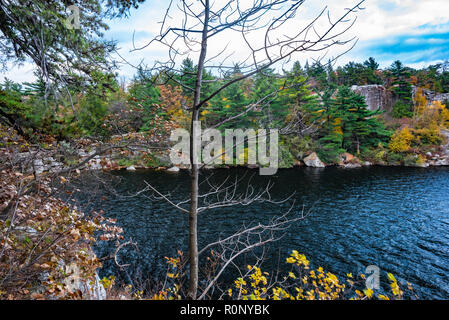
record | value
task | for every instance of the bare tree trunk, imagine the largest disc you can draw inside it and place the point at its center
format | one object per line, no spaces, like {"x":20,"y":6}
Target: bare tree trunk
{"x":233,"y":15}
{"x":193,"y":212}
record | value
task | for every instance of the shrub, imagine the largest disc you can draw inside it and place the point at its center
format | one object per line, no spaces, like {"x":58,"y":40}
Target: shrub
{"x":428,"y":136}
{"x":410,"y":160}
{"x":401,"y":140}
{"x":300,"y":283}
{"x":380,"y":156}
{"x":401,"y":110}
{"x":286,"y":159}
{"x":395,"y":158}
{"x":300,"y":146}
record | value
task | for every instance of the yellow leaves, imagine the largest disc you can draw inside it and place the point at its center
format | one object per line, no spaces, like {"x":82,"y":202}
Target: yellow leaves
{"x":306,"y":285}
{"x":298,"y":259}
{"x":227,"y":106}
{"x":337,"y":126}
{"x":391,"y":277}
{"x":239,"y":283}
{"x":401,"y":140}
{"x":394,"y":286}
{"x":431,"y":116}
{"x":173,"y":261}
{"x":368,"y":293}
{"x":310,"y":295}
{"x":108,"y":282}
{"x":332,"y":278}
{"x":420,"y":102}
{"x":382,"y":297}
{"x":291,"y":260}
{"x":160,"y":296}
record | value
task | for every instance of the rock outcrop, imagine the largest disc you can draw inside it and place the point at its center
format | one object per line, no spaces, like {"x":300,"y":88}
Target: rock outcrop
{"x":313,"y":161}
{"x":376,"y":97}
{"x":431,"y":95}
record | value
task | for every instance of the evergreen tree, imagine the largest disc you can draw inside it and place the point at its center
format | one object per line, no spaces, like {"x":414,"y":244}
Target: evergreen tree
{"x":402,"y":90}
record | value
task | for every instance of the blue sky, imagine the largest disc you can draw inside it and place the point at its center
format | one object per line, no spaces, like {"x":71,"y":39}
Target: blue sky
{"x":415,"y":32}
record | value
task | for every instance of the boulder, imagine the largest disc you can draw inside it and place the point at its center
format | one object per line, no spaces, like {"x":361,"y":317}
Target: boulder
{"x":347,"y":157}
{"x":90,"y":290}
{"x":352,"y":165}
{"x":422,"y":165}
{"x":442,"y":162}
{"x":297,"y":163}
{"x":313,"y":161}
{"x":39,"y":166}
{"x":173,"y":169}
{"x":131,"y":168}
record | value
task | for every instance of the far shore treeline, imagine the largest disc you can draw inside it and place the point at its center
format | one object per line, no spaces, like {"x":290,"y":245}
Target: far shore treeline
{"x":313,"y":106}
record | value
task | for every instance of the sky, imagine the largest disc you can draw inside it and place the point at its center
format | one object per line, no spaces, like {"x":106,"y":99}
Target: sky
{"x":413,"y":31}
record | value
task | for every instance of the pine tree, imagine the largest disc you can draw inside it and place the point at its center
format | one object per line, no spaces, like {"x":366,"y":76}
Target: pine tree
{"x":402,"y":89}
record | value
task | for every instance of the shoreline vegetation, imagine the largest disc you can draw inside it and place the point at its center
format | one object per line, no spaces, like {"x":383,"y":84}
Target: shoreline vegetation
{"x":351,"y":116}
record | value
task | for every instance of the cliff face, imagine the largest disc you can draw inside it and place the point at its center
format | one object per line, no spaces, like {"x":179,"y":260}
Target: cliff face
{"x":432,"y":96}
{"x":376,"y":96}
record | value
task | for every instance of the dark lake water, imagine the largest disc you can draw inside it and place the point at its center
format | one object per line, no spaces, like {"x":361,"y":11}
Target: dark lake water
{"x":393,"y":217}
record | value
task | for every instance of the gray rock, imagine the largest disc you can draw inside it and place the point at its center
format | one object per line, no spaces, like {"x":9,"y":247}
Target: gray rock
{"x":442,"y":162}
{"x":38,"y":165}
{"x":376,"y":97}
{"x":422,"y":165}
{"x":351,"y":165}
{"x":173,"y":169}
{"x":131,"y":168}
{"x":313,"y":161}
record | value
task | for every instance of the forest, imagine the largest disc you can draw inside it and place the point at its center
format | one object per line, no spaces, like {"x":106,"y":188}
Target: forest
{"x":313,"y":106}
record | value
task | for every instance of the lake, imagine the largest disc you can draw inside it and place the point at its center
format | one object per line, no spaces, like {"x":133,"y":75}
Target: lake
{"x":396,"y":218}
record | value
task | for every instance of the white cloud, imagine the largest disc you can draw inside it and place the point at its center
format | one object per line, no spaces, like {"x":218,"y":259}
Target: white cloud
{"x":380,"y":20}
{"x":19,"y":73}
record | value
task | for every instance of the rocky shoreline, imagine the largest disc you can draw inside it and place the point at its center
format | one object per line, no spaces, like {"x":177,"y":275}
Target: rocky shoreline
{"x":44,"y":164}
{"x":89,"y":158}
